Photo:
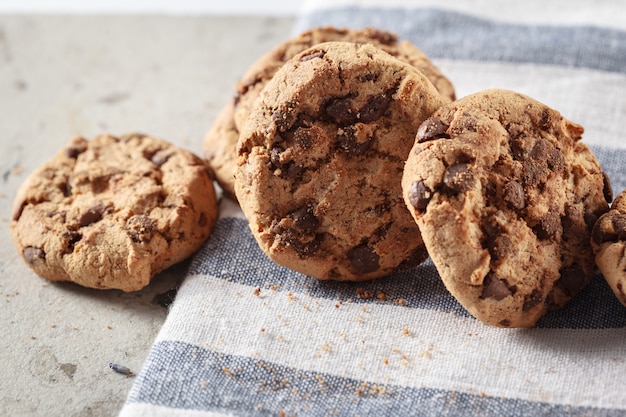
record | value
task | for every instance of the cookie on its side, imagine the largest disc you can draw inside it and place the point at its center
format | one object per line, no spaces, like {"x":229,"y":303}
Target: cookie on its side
{"x":110,"y":213}
{"x":609,"y":245}
{"x":505,"y":195}
{"x":321,"y":161}
{"x":219,"y":144}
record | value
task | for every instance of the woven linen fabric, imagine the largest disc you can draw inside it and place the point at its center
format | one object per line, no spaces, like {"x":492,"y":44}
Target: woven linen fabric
{"x":247,"y":337}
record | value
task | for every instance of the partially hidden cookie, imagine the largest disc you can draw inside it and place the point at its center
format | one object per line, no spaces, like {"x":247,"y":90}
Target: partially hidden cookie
{"x":609,"y":245}
{"x":111,"y":212}
{"x":505,"y":195}
{"x":221,"y":139}
{"x":321,"y":160}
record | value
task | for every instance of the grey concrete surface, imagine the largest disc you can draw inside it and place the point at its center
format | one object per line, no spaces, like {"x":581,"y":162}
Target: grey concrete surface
{"x":62,"y":76}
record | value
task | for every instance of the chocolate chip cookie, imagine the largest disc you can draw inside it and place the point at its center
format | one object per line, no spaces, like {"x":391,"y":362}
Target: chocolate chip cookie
{"x":113,"y":211}
{"x":505,"y":195}
{"x":609,"y":245}
{"x":321,"y":159}
{"x":220,"y":141}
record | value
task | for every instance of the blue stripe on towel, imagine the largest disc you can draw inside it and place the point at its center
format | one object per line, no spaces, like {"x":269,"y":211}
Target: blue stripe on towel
{"x":453,"y":35}
{"x":233,"y":254}
{"x":184,"y":376}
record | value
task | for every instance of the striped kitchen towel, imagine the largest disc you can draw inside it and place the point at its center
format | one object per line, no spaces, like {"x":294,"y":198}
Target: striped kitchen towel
{"x":247,"y":337}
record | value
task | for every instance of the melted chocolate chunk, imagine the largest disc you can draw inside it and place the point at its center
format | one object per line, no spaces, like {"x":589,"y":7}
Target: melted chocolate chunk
{"x":375,"y":108}
{"x":514,"y":195}
{"x":363,"y":259}
{"x":494,"y":287}
{"x":304,"y":219}
{"x":92,"y":215}
{"x":420,"y":195}
{"x":33,"y":254}
{"x":283,"y":119}
{"x":340,"y":111}
{"x":347,"y":143}
{"x":71,"y":237}
{"x":458,"y":178}
{"x":430,"y":129}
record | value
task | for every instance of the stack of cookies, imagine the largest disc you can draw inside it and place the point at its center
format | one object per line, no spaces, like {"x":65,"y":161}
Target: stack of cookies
{"x":351,"y":157}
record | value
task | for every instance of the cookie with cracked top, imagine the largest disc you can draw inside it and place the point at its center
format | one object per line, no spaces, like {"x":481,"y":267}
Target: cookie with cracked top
{"x":111,"y":212}
{"x":505,"y":195}
{"x":321,"y":160}
{"x":220,"y":141}
{"x":609,"y":245}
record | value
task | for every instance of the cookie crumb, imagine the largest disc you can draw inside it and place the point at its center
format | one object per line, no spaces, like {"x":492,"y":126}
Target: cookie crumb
{"x":363,"y":294}
{"x":257,"y":291}
{"x":400,"y":302}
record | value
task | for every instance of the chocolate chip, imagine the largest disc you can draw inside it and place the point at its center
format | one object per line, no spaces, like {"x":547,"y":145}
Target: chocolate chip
{"x":534,"y":172}
{"x":140,"y":228}
{"x":545,"y":120}
{"x":619,"y":225}
{"x":494,"y":287}
{"x":505,"y":323}
{"x":603,"y":231}
{"x":92,"y":215}
{"x":548,"y":226}
{"x":363,"y":259}
{"x":283,"y":118}
{"x":514,"y":195}
{"x":312,"y":55}
{"x":458,"y":178}
{"x":340,"y":111}
{"x":347,"y":143}
{"x":74,"y":151}
{"x":304,"y":219}
{"x":375,"y":107}
{"x":161,"y":157}
{"x":33,"y":254}
{"x":500,"y":247}
{"x":572,"y":280}
{"x":71,"y":237}
{"x":531,"y":301}
{"x":386,"y":38}
{"x":419,"y":195}
{"x":430,"y":129}
{"x":18,"y":210}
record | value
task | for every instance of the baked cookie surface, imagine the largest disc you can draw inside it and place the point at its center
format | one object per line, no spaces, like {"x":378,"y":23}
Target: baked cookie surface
{"x":505,"y":195}
{"x":219,"y":144}
{"x":113,"y":211}
{"x":609,"y":245}
{"x":321,"y":160}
